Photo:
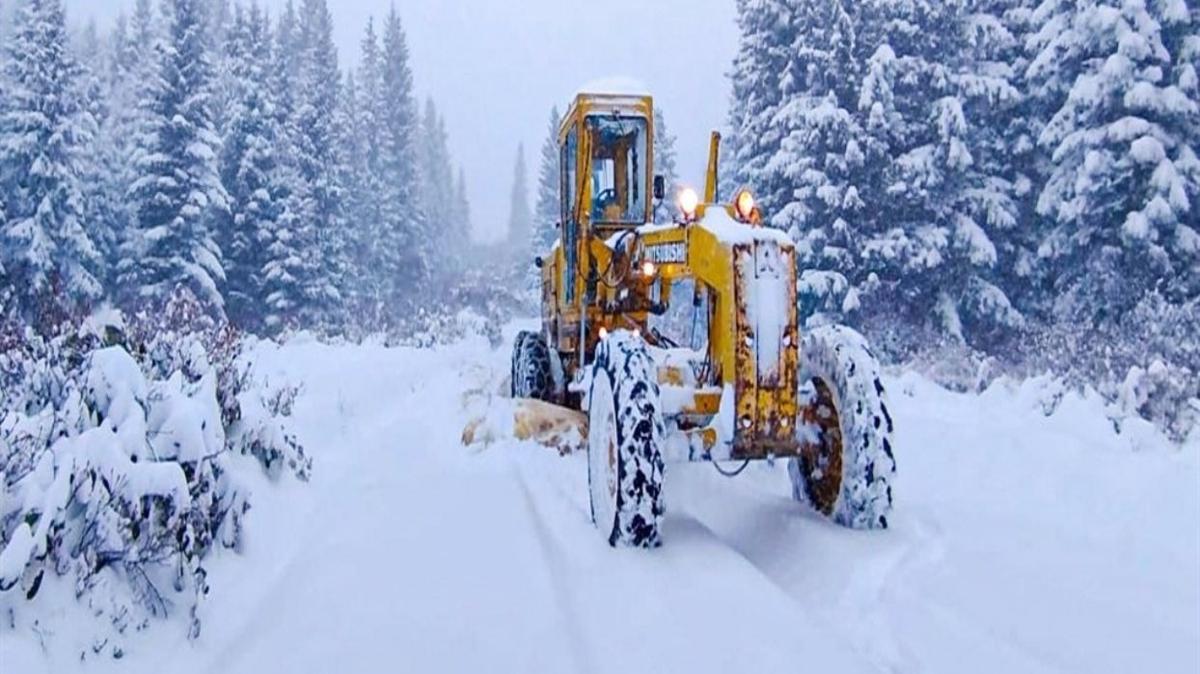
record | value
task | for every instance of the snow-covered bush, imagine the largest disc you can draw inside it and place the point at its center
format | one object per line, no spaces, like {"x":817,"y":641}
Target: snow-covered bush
{"x":957,"y":366}
{"x":1162,"y":394}
{"x":1146,"y":361}
{"x":123,"y":457}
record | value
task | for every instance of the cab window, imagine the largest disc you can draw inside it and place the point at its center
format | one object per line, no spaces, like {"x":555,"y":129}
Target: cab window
{"x":619,"y":151}
{"x":570,"y":226}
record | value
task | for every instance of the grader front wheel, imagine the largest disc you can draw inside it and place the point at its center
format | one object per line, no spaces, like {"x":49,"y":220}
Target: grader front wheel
{"x":532,"y":368}
{"x":625,"y":433}
{"x":846,"y":466}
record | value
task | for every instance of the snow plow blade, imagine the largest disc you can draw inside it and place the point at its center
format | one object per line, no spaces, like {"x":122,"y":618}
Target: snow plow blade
{"x":559,"y":428}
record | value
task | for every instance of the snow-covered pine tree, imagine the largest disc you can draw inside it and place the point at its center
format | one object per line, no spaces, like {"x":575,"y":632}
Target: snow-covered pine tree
{"x":5,"y":282}
{"x":520,"y":218}
{"x":288,"y":273}
{"x":940,"y":262}
{"x":45,"y":249}
{"x":462,"y":205}
{"x":103,"y":202}
{"x":407,"y":237}
{"x":437,"y":195}
{"x":819,"y":163}
{"x":317,"y":202}
{"x":1125,"y":177}
{"x":219,"y":19}
{"x":130,"y":69}
{"x":852,"y":130}
{"x":758,"y":68}
{"x":1004,"y":133}
{"x":362,"y":101}
{"x":665,"y":166}
{"x":249,"y":168}
{"x":178,"y":189}
{"x":547,"y":210}
{"x":285,"y":65}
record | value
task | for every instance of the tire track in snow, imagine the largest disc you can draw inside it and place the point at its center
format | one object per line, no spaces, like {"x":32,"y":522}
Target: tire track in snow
{"x":695,"y":524}
{"x":761,"y":516}
{"x":555,"y":560}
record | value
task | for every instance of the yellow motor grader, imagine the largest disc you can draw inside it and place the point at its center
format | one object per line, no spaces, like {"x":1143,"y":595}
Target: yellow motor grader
{"x":747,"y":384}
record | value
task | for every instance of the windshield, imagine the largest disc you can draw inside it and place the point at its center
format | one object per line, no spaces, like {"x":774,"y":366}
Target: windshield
{"x":618,"y":169}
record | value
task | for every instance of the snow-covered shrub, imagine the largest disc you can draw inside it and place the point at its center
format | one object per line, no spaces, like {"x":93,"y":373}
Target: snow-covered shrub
{"x":1146,"y":361}
{"x":122,"y":462}
{"x":479,"y":304}
{"x":1162,"y":394}
{"x":957,"y":367}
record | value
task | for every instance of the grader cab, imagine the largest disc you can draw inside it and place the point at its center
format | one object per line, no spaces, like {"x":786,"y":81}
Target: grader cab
{"x":744,"y":385}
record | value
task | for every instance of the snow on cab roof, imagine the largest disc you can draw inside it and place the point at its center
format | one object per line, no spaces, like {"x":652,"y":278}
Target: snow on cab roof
{"x":618,"y":86}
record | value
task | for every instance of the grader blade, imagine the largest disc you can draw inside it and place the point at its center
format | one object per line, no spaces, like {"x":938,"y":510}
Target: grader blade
{"x":558,"y":428}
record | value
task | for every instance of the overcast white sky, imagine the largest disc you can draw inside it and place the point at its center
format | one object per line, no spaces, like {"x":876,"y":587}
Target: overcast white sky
{"x":495,"y":68}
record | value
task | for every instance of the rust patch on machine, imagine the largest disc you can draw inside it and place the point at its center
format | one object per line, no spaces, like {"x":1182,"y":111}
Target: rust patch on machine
{"x":745,"y":355}
{"x":766,"y":352}
{"x":821,"y":461}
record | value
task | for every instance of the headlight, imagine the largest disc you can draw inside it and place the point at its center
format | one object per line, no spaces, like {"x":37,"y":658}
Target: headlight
{"x":689,"y":201}
{"x":744,"y":205}
{"x":649,"y":269}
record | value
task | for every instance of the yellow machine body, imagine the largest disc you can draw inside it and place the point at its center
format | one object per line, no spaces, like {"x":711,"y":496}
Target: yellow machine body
{"x":735,"y":397}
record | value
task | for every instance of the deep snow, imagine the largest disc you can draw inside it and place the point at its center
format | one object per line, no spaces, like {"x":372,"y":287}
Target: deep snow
{"x":1020,"y":542}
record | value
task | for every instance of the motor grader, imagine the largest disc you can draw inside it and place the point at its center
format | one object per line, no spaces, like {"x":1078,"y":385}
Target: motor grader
{"x":745,"y":385}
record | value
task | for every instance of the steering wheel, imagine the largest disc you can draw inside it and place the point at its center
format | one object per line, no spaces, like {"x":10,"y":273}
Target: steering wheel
{"x":606,"y":197}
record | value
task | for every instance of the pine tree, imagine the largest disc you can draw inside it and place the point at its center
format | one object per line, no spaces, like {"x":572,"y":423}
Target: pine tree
{"x":548,"y":208}
{"x":852,"y":129}
{"x":1004,"y":142}
{"x":219,"y":24}
{"x":665,"y":166}
{"x":757,"y":76}
{"x":520,"y":219}
{"x":1124,"y":175}
{"x":178,"y":190}
{"x":103,"y":202}
{"x":437,"y":194}
{"x":317,"y":200}
{"x":362,"y":102}
{"x":407,"y":237}
{"x":249,"y":170}
{"x":45,"y":249}
{"x":462,"y":206}
{"x":130,"y":73}
{"x":285,"y":66}
{"x":944,"y":203}
{"x":288,"y":275}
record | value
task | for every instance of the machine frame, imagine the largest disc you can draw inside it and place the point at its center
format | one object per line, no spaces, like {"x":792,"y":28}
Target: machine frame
{"x":721,"y":402}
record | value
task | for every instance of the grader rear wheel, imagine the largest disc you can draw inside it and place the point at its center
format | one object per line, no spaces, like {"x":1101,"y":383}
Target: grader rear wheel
{"x":846,"y":466}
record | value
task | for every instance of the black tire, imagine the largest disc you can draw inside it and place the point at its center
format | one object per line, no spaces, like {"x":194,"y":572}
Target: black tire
{"x":625,"y":434}
{"x":847,"y":474}
{"x":532,"y":371}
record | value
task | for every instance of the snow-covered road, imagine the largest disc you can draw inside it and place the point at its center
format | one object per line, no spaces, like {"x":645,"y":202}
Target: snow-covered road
{"x":1020,"y":543}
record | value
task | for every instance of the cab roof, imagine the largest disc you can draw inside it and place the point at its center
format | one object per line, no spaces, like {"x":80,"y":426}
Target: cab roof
{"x":588,"y":103}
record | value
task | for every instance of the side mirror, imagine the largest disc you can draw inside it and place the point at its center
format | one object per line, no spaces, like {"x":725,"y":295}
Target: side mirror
{"x":539,"y":262}
{"x":660,"y":188}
